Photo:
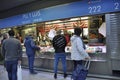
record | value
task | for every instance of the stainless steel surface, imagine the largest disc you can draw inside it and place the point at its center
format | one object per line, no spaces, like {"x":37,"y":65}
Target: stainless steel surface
{"x":114,"y":35}
{"x":113,"y":40}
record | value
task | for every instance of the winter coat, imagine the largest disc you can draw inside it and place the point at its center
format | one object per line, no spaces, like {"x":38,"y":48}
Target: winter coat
{"x":30,"y":46}
{"x":77,"y":49}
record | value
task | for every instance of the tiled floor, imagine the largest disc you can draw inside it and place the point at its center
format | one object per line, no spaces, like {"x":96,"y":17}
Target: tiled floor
{"x":40,"y":76}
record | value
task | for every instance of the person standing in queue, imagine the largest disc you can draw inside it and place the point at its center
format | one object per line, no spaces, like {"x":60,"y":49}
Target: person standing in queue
{"x":30,"y":51}
{"x":59,"y":44}
{"x":78,"y":53}
{"x":5,"y":36}
{"x":12,"y":52}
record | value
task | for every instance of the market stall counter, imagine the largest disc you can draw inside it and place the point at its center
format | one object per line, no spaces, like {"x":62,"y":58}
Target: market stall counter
{"x":45,"y":60}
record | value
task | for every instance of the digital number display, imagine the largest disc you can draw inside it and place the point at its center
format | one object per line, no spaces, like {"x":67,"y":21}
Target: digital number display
{"x":74,"y":9}
{"x":97,"y":8}
{"x":94,"y":9}
{"x":117,"y":5}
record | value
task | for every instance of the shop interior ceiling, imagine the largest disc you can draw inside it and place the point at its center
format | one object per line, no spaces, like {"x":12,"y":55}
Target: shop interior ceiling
{"x":14,"y":7}
{"x":9,"y":4}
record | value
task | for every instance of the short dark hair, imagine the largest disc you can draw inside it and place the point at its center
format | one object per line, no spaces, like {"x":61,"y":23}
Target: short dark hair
{"x":11,"y":32}
{"x":59,"y":32}
{"x":77,"y":31}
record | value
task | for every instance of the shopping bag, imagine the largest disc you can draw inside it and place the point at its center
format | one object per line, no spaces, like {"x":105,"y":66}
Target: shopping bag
{"x":19,"y":73}
{"x":51,"y":34}
{"x":81,"y":71}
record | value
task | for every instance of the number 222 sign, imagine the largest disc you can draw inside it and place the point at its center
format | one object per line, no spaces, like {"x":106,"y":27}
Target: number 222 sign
{"x":103,"y":6}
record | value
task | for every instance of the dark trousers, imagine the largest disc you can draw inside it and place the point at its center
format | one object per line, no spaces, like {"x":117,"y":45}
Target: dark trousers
{"x":11,"y":67}
{"x":76,"y":62}
{"x":31,"y":62}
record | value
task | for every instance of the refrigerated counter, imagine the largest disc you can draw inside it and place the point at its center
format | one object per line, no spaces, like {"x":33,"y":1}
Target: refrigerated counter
{"x":45,"y":60}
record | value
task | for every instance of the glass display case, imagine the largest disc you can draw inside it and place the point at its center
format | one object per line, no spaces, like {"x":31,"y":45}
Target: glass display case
{"x":94,"y":41}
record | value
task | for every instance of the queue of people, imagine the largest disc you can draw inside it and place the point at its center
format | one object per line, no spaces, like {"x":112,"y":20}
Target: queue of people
{"x":12,"y":52}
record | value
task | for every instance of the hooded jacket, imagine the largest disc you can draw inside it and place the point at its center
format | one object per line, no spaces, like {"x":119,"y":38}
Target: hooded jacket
{"x":30,"y":46}
{"x":77,"y":49}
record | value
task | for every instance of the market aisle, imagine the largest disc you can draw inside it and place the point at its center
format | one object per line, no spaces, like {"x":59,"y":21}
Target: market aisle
{"x":40,"y":76}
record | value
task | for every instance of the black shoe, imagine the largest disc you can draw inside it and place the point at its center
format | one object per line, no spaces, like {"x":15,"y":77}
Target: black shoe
{"x":33,"y":72}
{"x":65,"y":75}
{"x":55,"y":76}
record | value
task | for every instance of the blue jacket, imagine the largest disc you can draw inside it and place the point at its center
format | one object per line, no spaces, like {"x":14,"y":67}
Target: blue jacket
{"x":30,"y":46}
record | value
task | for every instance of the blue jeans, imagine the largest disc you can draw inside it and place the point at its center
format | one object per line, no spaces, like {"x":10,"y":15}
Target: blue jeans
{"x":76,"y":62}
{"x":59,"y":56}
{"x":11,"y":67}
{"x":31,"y":62}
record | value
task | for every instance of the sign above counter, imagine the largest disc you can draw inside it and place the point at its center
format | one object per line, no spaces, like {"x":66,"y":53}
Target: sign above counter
{"x":74,"y":9}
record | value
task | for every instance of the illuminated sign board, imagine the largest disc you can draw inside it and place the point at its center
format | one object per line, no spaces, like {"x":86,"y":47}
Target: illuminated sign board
{"x":74,"y":9}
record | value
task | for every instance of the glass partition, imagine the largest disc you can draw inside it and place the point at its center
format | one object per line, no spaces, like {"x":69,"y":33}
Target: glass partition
{"x":91,"y":27}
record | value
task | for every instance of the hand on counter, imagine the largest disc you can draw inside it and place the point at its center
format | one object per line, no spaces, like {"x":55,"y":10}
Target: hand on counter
{"x":87,"y":58}
{"x":90,"y":51}
{"x":46,"y":49}
{"x":42,"y":50}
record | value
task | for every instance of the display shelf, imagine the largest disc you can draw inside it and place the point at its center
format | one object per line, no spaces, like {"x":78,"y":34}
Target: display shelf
{"x":93,"y":30}
{"x":98,"y":60}
{"x":96,"y":49}
{"x":96,"y":53}
{"x":96,"y":44}
{"x":99,"y":57}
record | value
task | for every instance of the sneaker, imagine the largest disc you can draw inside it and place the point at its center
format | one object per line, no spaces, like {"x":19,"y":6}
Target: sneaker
{"x":65,"y":75}
{"x":55,"y":76}
{"x":33,"y":72}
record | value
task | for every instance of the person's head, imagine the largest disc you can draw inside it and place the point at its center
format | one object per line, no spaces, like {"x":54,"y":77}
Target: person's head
{"x":58,"y":32}
{"x":30,"y":35}
{"x":52,"y":27}
{"x":77,"y":31}
{"x":5,"y":36}
{"x":11,"y":32}
{"x":17,"y":35}
{"x":65,"y":32}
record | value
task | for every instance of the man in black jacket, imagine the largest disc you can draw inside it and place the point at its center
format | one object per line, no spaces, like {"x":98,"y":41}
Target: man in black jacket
{"x":59,"y":43}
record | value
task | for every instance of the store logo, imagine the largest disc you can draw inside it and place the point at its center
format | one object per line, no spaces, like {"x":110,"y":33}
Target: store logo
{"x":32,"y":15}
{"x":93,"y":1}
